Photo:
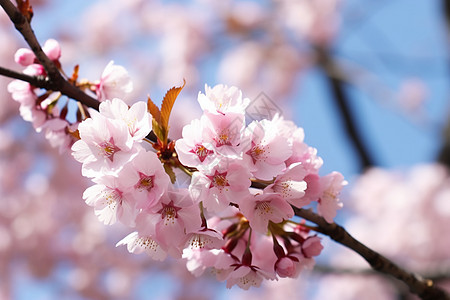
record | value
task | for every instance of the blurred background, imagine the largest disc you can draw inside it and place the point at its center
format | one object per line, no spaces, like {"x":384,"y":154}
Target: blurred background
{"x":367,"y":80}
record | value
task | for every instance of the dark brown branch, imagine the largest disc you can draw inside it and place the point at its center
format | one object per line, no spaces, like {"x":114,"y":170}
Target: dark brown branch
{"x":56,"y":81}
{"x":343,"y":105}
{"x":37,"y":81}
{"x":424,"y":288}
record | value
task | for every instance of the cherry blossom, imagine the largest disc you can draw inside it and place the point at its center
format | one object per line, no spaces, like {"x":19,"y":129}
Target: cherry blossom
{"x":220,"y":197}
{"x":111,"y":201}
{"x":329,"y":203}
{"x":220,"y":186}
{"x":192,"y":150}
{"x":114,"y":83}
{"x":139,"y":244}
{"x":224,"y":132}
{"x":56,"y":133}
{"x":201,"y":249}
{"x":24,"y":57}
{"x":146,"y":177}
{"x":289,"y":266}
{"x":169,"y":221}
{"x":267,"y":150}
{"x":222,"y":99}
{"x":52,"y":49}
{"x":136,"y":117}
{"x":105,"y":146}
{"x":291,"y":185}
{"x":245,"y":277}
{"x":260,"y":209}
{"x":214,"y":158}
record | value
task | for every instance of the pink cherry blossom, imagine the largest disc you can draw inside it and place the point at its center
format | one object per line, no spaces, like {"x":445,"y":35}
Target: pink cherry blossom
{"x":105,"y":146}
{"x":199,"y":250}
{"x":24,"y":57}
{"x":312,"y":246}
{"x":143,"y":244}
{"x":114,"y":83}
{"x":301,"y":152}
{"x":224,"y":132}
{"x":291,"y":185}
{"x":146,"y":175}
{"x":329,"y":203}
{"x":52,"y":49}
{"x":259,"y":209}
{"x":221,"y":185}
{"x":111,"y":201}
{"x":198,"y":261}
{"x":35,"y":70}
{"x":267,"y":150}
{"x":245,"y":277}
{"x":56,"y":133}
{"x":289,"y":266}
{"x":32,"y":114}
{"x":192,"y":150}
{"x":22,"y":92}
{"x":136,"y":117}
{"x":168,"y":222}
{"x":223,"y":99}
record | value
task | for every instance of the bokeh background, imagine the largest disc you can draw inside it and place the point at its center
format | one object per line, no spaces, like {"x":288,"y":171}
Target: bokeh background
{"x":367,"y":80}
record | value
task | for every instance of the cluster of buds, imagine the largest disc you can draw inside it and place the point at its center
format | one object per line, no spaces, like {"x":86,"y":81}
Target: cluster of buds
{"x":220,"y":198}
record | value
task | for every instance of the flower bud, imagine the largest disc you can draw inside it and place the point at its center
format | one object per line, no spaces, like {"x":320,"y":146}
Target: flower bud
{"x":24,"y":57}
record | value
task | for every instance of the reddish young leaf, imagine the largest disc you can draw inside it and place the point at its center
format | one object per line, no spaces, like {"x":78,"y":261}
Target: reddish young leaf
{"x":74,"y":77}
{"x":167,"y":104}
{"x":153,"y":110}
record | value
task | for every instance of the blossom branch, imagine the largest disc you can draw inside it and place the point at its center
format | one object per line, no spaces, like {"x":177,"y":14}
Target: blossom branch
{"x":347,"y":114}
{"x":424,"y":288}
{"x":56,"y":81}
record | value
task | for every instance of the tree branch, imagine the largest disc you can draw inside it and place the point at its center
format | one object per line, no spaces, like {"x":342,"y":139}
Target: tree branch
{"x":37,"y":81}
{"x":56,"y":81}
{"x":424,"y":288}
{"x":343,"y":104}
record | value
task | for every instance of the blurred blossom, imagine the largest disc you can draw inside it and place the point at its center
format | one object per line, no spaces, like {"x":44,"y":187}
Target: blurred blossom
{"x":354,"y":287}
{"x":404,"y":216}
{"x":316,"y":21}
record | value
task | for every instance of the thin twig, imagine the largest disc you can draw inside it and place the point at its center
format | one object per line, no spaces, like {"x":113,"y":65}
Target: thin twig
{"x":37,"y":81}
{"x":424,"y":288}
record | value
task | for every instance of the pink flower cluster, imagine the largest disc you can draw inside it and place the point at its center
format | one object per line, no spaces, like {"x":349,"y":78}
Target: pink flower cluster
{"x":38,"y":107}
{"x":247,"y":179}
{"x":234,"y":213}
{"x":234,"y":185}
{"x":45,"y":109}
